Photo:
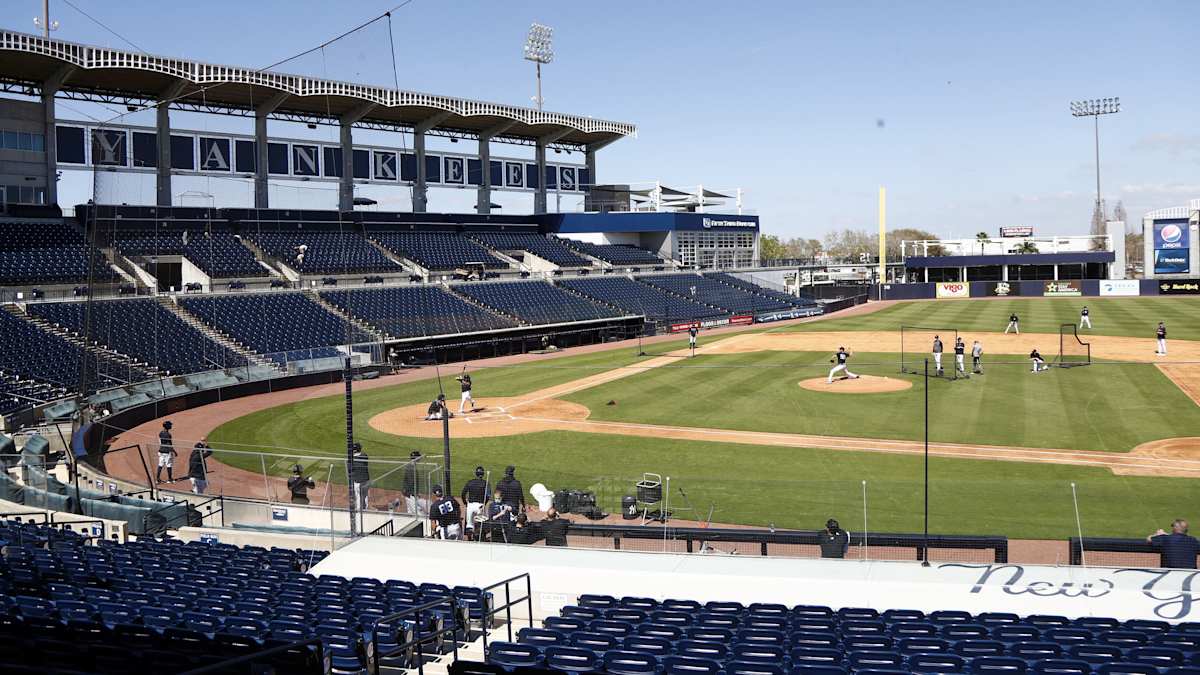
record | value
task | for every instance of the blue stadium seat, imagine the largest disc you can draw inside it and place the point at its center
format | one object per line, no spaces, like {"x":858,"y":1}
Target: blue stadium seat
{"x":686,"y":665}
{"x":541,"y":637}
{"x":410,"y":311}
{"x":569,"y":659}
{"x":624,"y":662}
{"x":1126,"y":669}
{"x":437,"y":251}
{"x":1061,"y":667}
{"x":597,"y":642}
{"x":647,"y":644}
{"x":754,"y":668}
{"x":548,"y":248}
{"x":998,"y":665}
{"x":874,"y":659}
{"x":717,"y":651}
{"x":513,"y":655}
{"x":936,"y":663}
{"x":534,"y":302}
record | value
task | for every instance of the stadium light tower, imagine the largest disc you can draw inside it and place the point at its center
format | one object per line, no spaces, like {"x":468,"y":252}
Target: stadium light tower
{"x":1094,"y":108}
{"x":539,"y":48}
{"x":44,"y":21}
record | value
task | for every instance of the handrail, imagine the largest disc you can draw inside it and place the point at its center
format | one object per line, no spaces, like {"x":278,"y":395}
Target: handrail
{"x":508,"y":605}
{"x":691,"y":535}
{"x":418,"y":641}
{"x":223,"y":666}
{"x":386,"y":529}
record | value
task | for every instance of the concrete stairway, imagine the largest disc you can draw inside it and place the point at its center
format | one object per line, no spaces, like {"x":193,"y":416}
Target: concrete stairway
{"x":169,"y":303}
{"x":333,"y":309}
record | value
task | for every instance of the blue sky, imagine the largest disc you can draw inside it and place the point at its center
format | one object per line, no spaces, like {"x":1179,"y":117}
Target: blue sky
{"x":781,"y":99}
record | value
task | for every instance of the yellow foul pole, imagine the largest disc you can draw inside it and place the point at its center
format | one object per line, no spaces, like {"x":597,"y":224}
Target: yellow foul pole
{"x":882,"y":232}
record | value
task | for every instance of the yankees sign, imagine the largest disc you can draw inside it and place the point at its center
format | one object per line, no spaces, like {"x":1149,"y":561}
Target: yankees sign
{"x":135,"y":148}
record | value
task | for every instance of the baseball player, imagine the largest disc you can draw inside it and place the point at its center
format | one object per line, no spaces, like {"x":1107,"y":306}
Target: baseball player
{"x":692,"y":339}
{"x":475,"y":495}
{"x":464,"y":381}
{"x":977,"y":358}
{"x":960,"y":349}
{"x":839,"y":359}
{"x":1160,"y":334}
{"x":937,"y":355}
{"x":445,"y":515}
{"x":1085,"y":318}
{"x":167,"y":453}
{"x":1014,"y":324}
{"x":1039,"y":364}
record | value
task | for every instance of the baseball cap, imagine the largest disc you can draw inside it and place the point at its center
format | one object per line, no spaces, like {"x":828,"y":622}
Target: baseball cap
{"x":832,"y":524}
{"x":479,"y":471}
{"x":414,"y":454}
{"x":437,"y":490}
{"x":167,"y":424}
{"x":509,"y":470}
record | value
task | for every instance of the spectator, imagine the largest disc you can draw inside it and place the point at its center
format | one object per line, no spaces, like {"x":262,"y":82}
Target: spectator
{"x":299,"y":485}
{"x":1178,"y":549}
{"x":360,"y":476}
{"x":474,"y":495}
{"x":197,"y":469}
{"x":166,"y":454}
{"x":554,"y":529}
{"x":445,"y":515}
{"x":520,"y":532}
{"x":834,"y":540}
{"x":511,"y":490}
{"x":411,"y":484}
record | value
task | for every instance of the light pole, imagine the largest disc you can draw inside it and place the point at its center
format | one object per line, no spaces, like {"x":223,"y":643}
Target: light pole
{"x":1094,"y":108}
{"x":539,"y":49}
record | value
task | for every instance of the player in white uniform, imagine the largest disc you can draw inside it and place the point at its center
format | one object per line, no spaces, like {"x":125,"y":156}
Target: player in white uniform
{"x":977,"y":358}
{"x":839,"y":359}
{"x":465,"y":381}
{"x":937,"y":355}
{"x":1085,"y":318}
{"x":1160,"y":334}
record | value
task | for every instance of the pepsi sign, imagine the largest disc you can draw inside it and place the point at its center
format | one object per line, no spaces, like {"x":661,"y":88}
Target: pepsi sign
{"x":1170,"y":235}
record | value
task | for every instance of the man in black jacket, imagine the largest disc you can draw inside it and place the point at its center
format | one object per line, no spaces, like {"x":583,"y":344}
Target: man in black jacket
{"x":299,"y":485}
{"x":197,"y":469}
{"x":360,"y":476}
{"x":475,"y":495}
{"x":554,"y":529}
{"x":512,"y":490}
{"x":834,"y":540}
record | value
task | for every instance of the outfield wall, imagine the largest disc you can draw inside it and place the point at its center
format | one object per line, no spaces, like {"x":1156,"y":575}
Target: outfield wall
{"x":1037,"y":289}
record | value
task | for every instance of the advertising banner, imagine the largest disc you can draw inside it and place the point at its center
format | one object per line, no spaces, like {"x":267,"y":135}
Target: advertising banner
{"x":1172,"y":261}
{"x":1169,"y":235}
{"x":1004,"y":289}
{"x":1179,"y":287}
{"x":1073,"y":288}
{"x":954,"y":289}
{"x":1017,"y":231}
{"x":767,"y":317}
{"x":706,"y":323}
{"x":1120,"y":287}
{"x":741,"y":320}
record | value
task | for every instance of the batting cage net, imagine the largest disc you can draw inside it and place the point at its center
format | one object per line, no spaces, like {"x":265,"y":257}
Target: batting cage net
{"x":1071,"y":350}
{"x":916,"y":345}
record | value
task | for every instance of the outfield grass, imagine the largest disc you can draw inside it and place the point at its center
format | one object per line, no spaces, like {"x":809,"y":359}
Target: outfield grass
{"x":1128,"y":317}
{"x":1111,"y":407}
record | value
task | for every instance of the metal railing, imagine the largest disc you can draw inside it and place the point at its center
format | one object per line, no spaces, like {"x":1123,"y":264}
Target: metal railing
{"x":509,"y":603}
{"x":420,"y":637}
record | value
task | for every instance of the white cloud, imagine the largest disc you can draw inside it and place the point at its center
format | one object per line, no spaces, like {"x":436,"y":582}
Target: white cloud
{"x":1173,"y":189}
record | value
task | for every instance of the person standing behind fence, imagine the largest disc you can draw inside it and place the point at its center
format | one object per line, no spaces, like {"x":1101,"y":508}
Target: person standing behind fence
{"x":410,"y":487}
{"x":474,"y":495}
{"x":197,"y":468}
{"x":445,"y":515}
{"x":1177,"y":549}
{"x":1160,"y":334}
{"x":166,"y":454}
{"x":360,"y":476}
{"x":937,"y":355}
{"x":299,"y":485}
{"x":834,"y":540}
{"x":1014,"y":324}
{"x":511,"y":489}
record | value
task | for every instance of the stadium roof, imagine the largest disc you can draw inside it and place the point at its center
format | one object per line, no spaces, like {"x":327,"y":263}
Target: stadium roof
{"x":135,"y":78}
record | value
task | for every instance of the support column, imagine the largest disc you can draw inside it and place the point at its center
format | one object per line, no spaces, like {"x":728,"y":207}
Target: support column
{"x":163,"y":138}
{"x":49,"y":89}
{"x":589,"y":160}
{"x":483,"y":204}
{"x":539,"y":196}
{"x":1004,"y":273}
{"x":1056,"y":272}
{"x":346,"y":141}
{"x":261,"y":182}
{"x":421,"y":187}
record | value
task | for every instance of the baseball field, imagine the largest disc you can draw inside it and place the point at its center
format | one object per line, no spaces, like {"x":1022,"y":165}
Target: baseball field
{"x":736,"y":430}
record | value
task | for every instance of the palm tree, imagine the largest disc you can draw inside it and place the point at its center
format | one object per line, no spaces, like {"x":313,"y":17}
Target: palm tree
{"x":1026,"y":247}
{"x":982,"y":238}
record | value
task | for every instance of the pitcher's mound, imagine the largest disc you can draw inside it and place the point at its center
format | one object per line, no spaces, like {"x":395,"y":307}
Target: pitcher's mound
{"x":864,"y":384}
{"x":496,"y":417}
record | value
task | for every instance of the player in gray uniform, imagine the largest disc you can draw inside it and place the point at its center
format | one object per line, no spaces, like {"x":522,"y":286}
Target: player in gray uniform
{"x":1160,"y":334}
{"x":937,"y":355}
{"x":977,"y":358}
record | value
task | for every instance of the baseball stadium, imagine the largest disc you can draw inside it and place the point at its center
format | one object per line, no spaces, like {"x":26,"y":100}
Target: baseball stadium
{"x":257,"y":418}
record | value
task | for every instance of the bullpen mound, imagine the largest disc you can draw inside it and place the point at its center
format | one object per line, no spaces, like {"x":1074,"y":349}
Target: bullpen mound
{"x":864,"y":384}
